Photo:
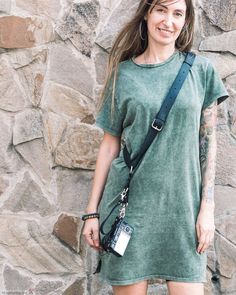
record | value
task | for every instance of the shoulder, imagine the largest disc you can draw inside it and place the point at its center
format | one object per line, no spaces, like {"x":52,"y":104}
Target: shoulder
{"x":203,"y":63}
{"x":124,"y":67}
{"x":125,"y":71}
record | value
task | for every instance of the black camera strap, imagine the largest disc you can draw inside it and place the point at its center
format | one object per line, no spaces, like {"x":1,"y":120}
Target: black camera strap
{"x":161,"y":116}
{"x":155,"y":128}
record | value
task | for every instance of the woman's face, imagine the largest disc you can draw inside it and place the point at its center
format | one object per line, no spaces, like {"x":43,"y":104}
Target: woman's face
{"x":165,"y":22}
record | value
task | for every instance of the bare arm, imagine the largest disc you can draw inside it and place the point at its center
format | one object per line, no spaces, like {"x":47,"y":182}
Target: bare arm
{"x":207,"y":150}
{"x":109,"y":150}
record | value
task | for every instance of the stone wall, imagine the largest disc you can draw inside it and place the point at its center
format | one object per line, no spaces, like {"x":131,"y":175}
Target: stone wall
{"x":52,"y":60}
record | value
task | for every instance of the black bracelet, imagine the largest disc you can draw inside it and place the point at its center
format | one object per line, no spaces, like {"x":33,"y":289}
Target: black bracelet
{"x":90,"y":215}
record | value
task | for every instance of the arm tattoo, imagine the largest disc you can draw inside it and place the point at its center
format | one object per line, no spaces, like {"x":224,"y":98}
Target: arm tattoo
{"x":207,"y":150}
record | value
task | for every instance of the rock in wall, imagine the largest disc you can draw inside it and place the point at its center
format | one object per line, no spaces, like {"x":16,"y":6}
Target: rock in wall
{"x":52,"y":60}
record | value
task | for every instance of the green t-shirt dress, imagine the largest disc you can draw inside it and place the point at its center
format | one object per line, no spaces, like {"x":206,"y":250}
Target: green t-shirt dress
{"x":165,"y":191}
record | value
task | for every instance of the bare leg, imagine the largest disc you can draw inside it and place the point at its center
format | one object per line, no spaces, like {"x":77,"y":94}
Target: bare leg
{"x":139,"y":288}
{"x":182,"y":288}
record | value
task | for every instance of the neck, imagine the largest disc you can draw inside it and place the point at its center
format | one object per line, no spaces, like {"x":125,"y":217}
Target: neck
{"x":156,"y":54}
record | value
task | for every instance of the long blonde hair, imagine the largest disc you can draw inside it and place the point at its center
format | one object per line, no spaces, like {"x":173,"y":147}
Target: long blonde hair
{"x":129,"y":43}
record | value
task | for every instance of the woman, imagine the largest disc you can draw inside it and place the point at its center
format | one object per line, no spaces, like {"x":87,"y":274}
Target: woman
{"x":171,"y":198}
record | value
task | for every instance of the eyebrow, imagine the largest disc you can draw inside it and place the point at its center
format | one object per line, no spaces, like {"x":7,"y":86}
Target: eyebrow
{"x":167,"y":7}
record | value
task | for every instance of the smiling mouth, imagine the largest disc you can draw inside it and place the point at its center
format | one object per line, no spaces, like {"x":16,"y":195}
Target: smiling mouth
{"x":165,"y":30}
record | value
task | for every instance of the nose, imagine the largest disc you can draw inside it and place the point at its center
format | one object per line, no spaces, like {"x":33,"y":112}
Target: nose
{"x":168,"y":20}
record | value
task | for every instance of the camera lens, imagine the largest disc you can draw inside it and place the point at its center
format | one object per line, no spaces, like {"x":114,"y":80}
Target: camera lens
{"x":127,"y":229}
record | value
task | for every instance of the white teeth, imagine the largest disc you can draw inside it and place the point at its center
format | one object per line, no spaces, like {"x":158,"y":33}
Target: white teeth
{"x":164,"y":30}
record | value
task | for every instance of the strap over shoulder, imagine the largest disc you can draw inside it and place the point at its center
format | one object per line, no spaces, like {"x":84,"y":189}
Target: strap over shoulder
{"x":160,"y":119}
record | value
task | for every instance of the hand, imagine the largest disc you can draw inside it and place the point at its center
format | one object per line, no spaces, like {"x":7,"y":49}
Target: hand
{"x":205,"y":229}
{"x":91,"y":233}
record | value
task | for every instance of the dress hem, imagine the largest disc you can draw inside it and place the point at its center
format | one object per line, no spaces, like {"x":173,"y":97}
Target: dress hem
{"x":154,"y":276}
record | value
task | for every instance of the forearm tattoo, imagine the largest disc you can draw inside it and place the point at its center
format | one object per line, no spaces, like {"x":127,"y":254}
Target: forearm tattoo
{"x":207,"y":149}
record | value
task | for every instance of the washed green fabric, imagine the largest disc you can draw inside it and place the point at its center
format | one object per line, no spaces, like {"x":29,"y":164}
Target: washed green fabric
{"x":165,"y":191}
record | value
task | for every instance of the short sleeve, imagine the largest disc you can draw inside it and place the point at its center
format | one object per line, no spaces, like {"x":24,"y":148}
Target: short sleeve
{"x":110,"y":122}
{"x":215,"y":89}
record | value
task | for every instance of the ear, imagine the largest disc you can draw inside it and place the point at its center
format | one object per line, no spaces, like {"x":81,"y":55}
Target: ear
{"x":145,"y":17}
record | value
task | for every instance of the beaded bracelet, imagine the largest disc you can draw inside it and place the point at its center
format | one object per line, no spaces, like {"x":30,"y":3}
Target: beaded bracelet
{"x":90,"y":215}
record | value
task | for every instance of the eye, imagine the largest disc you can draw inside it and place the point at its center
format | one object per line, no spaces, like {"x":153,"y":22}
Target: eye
{"x":179,"y":14}
{"x":160,"y":10}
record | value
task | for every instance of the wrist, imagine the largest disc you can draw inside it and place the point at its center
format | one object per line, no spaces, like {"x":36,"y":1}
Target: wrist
{"x":89,"y":216}
{"x":91,"y":210}
{"x":207,"y":205}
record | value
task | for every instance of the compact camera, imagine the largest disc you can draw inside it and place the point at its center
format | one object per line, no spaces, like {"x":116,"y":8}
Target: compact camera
{"x":116,"y":241}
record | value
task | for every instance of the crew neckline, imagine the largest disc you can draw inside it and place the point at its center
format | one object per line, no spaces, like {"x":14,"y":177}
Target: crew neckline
{"x":155,"y":64}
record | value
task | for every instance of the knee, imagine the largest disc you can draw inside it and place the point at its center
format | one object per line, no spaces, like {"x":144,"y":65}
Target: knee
{"x":185,"y":288}
{"x":139,"y":288}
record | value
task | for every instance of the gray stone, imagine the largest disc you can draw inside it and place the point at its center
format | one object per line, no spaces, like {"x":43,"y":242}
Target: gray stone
{"x":9,"y":159}
{"x":221,"y":13}
{"x":40,"y":7}
{"x":28,"y":126}
{"x":32,"y":77}
{"x":24,"y":56}
{"x":101,"y":60}
{"x":225,"y":161}
{"x":228,"y":286}
{"x":78,"y":287}
{"x":25,"y":32}
{"x":226,"y":264}
{"x":96,"y":287}
{"x":45,"y":287}
{"x":15,"y":282}
{"x":80,"y":147}
{"x":27,"y":196}
{"x":106,"y":6}
{"x":67,"y":68}
{"x":91,"y":258}
{"x":80,"y":24}
{"x":89,"y":119}
{"x":205,"y":26}
{"x":231,"y":103}
{"x":233,"y":129}
{"x":26,"y":244}
{"x":5,"y":136}
{"x":225,"y":199}
{"x":208,"y":287}
{"x":73,"y":189}
{"x":12,"y":96}
{"x":10,"y":162}
{"x":159,"y":289}
{"x":3,"y":184}
{"x":35,"y":153}
{"x":225,"y":42}
{"x":226,"y":224}
{"x":111,"y":28}
{"x":5,"y":6}
{"x":54,"y":127}
{"x":224,"y":63}
{"x":211,"y":258}
{"x":64,"y":100}
{"x":226,"y":256}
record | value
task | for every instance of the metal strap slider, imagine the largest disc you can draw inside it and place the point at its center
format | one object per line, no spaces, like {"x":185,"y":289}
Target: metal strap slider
{"x":157,"y":127}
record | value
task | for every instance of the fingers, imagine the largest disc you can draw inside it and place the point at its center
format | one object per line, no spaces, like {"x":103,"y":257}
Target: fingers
{"x":95,"y":237}
{"x":203,"y":243}
{"x":91,"y":234}
{"x":205,"y":237}
{"x":207,"y":243}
